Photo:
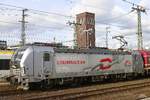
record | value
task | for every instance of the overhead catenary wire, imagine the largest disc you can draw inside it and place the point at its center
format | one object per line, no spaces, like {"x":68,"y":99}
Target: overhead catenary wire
{"x":17,"y":23}
{"x":116,"y":17}
{"x":101,"y":23}
{"x":34,"y":11}
{"x":40,"y":11}
{"x":133,"y":4}
{"x":9,"y":22}
{"x":44,"y":26}
{"x":115,"y":25}
{"x":59,"y":28}
{"x":37,"y":25}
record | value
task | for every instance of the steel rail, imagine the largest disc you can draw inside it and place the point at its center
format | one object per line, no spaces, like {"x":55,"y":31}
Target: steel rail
{"x":82,"y":93}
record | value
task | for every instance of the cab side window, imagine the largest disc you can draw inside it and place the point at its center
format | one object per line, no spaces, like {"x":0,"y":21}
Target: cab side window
{"x":46,"y":57}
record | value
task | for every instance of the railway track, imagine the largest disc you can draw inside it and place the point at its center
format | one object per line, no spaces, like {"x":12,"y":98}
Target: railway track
{"x":86,"y":92}
{"x":81,"y":92}
{"x":7,"y":90}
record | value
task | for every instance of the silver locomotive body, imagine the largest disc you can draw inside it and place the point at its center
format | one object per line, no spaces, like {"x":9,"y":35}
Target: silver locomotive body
{"x":33,"y":64}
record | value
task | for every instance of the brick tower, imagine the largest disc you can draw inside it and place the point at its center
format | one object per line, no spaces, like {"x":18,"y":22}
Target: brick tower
{"x":86,"y":30}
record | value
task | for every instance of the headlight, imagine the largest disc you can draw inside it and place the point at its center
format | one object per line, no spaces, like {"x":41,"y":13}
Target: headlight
{"x":14,"y":67}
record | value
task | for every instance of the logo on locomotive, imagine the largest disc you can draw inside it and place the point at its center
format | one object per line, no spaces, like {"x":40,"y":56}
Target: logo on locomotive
{"x":105,"y":63}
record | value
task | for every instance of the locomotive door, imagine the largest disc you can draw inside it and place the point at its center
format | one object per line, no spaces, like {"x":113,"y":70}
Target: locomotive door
{"x":47,"y":64}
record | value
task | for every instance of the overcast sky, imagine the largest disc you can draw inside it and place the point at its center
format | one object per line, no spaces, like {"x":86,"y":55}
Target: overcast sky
{"x":43,"y":27}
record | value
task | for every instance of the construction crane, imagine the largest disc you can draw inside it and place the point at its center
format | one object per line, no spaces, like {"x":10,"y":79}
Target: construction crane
{"x":138,"y":9}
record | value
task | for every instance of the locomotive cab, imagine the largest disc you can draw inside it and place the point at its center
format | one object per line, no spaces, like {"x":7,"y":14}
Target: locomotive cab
{"x":17,"y":67}
{"x":31,"y":64}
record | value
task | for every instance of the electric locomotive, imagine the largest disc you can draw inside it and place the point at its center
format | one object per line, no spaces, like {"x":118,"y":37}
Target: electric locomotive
{"x":48,"y":66}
